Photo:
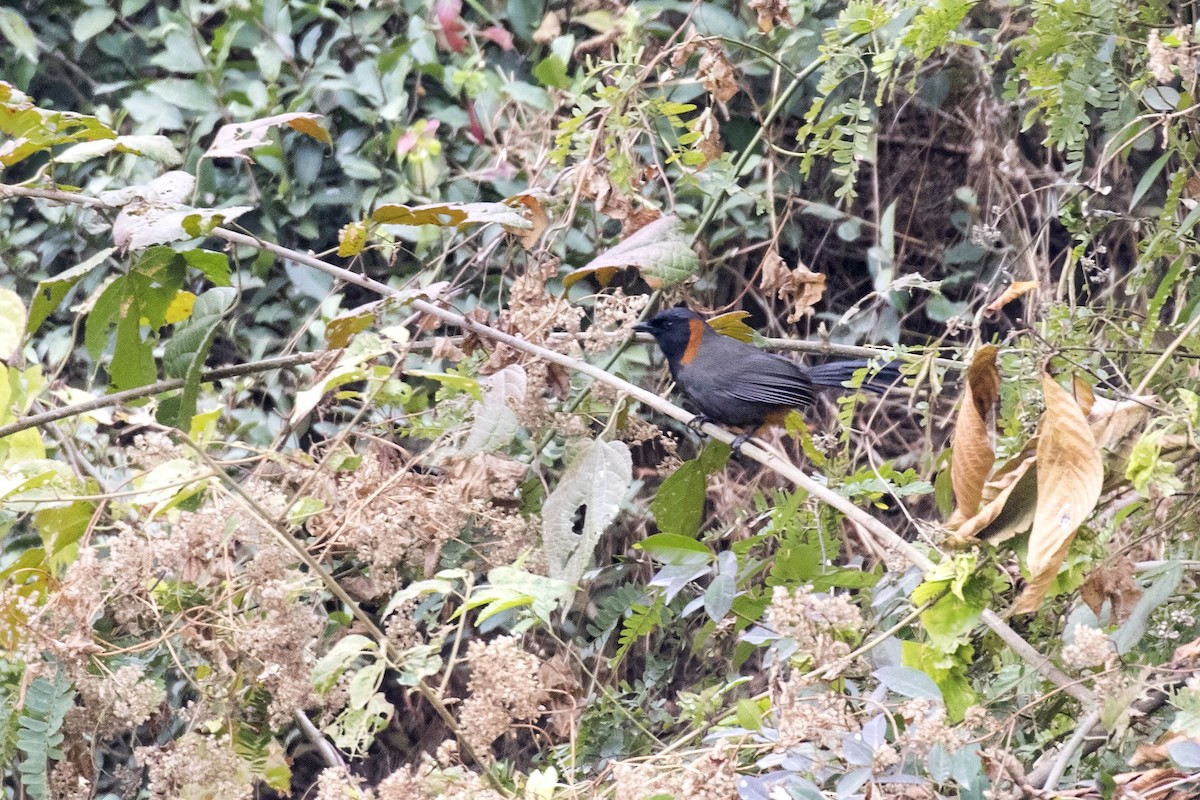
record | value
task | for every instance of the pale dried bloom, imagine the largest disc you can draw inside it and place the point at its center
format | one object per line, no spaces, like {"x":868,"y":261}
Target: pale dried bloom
{"x":1090,"y":648}
{"x":120,"y":701}
{"x":66,"y":783}
{"x":1161,"y":61}
{"x":637,"y":781}
{"x":926,"y":726}
{"x":335,"y":783}
{"x":194,"y":766}
{"x":505,"y":686}
{"x":613,"y":316}
{"x":151,"y":449}
{"x":804,"y":716}
{"x":712,"y":776}
{"x":817,"y":623}
{"x":393,"y":518}
{"x":884,"y":758}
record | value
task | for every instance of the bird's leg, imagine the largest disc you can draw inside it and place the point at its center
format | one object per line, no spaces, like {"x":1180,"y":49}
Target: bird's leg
{"x":736,"y":444}
{"x":697,"y":422}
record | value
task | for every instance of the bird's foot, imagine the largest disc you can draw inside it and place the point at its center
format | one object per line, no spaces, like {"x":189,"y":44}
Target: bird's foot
{"x":736,"y":444}
{"x":697,"y":422}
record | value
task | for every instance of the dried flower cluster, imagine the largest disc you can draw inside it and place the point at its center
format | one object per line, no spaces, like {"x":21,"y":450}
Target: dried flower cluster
{"x":1164,"y":62}
{"x":1090,"y":648}
{"x":196,"y":766}
{"x":804,"y":715}
{"x":505,"y":687}
{"x":712,"y":775}
{"x":613,"y":316}
{"x":818,"y":623}
{"x":926,"y":726}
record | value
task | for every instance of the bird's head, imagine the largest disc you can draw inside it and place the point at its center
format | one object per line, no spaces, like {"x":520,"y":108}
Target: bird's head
{"x":677,"y":330}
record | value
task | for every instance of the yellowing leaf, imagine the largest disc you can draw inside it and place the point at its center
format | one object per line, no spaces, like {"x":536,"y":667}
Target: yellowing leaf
{"x":1070,"y":476}
{"x":342,"y":328}
{"x":12,"y":323}
{"x":732,"y":324}
{"x":352,"y":238}
{"x":1014,"y":291}
{"x":234,"y":139}
{"x":973,"y":456}
{"x":449,"y":215}
{"x":180,"y":307}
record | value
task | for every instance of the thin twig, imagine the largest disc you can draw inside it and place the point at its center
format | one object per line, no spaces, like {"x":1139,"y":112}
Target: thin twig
{"x":118,"y":398}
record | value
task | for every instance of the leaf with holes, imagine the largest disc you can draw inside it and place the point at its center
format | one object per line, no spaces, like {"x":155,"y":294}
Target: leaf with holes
{"x":593,"y":486}
{"x":660,"y":252}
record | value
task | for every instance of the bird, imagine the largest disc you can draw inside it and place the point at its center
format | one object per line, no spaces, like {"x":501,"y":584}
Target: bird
{"x":738,"y":385}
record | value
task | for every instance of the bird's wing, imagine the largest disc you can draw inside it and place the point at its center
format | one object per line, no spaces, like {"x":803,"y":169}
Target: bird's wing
{"x":772,"y":380}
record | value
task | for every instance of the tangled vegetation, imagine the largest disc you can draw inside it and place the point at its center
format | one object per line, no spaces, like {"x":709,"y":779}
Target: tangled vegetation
{"x":330,"y":466}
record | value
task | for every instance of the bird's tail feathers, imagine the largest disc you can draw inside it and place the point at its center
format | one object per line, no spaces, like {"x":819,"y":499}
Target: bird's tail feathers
{"x":835,"y":375}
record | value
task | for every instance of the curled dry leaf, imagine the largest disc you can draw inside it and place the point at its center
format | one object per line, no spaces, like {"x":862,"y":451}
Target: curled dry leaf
{"x":234,"y":139}
{"x":537,"y":217}
{"x":1112,"y":582}
{"x":716,"y":73}
{"x":1070,"y":476}
{"x":1017,"y":289}
{"x":971,"y":446}
{"x":1008,"y":500}
{"x":801,"y":287}
{"x":549,"y":29}
{"x":771,"y":12}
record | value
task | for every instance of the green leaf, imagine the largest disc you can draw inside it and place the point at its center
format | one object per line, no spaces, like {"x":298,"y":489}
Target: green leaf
{"x":678,"y":507}
{"x":552,"y":71}
{"x":660,"y":251}
{"x":50,"y":292}
{"x":676,"y":550}
{"x":187,"y":349}
{"x":132,"y":363}
{"x":340,"y":658}
{"x":495,"y":422}
{"x":214,"y":266}
{"x":749,"y":714}
{"x":908,"y":682}
{"x":92,"y":22}
{"x":510,"y":587}
{"x":16,"y":30}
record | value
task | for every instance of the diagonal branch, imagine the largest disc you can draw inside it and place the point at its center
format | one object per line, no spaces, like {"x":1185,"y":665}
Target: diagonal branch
{"x":880,"y":532}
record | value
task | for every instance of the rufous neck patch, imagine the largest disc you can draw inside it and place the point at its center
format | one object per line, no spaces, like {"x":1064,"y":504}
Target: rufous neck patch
{"x":695,"y":336}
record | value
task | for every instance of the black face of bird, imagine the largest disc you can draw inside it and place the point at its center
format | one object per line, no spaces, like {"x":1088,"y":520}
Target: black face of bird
{"x":672,"y":328}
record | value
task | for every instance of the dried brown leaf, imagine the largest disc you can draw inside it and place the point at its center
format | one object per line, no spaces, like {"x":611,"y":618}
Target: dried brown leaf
{"x":1009,"y":499}
{"x":1112,"y":582}
{"x":716,"y":73}
{"x":973,"y":455}
{"x":770,"y":13}
{"x":529,"y":237}
{"x":800,"y":287}
{"x":1070,"y":476}
{"x":1015,"y":290}
{"x":549,"y":29}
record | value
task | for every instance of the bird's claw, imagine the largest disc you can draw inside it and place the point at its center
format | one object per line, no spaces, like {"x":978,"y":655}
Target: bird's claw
{"x":736,"y":444}
{"x":697,"y":422}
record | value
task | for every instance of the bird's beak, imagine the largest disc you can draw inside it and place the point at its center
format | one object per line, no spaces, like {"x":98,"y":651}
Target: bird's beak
{"x":643,"y":327}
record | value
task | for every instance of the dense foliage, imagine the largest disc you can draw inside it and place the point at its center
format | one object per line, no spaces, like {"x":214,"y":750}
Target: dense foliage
{"x":324,"y":466}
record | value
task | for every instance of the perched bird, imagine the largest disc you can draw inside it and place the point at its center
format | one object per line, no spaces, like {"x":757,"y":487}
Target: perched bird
{"x":737,"y":384}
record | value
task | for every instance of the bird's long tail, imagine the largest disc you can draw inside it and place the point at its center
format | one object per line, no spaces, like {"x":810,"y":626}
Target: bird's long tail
{"x":835,"y":375}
